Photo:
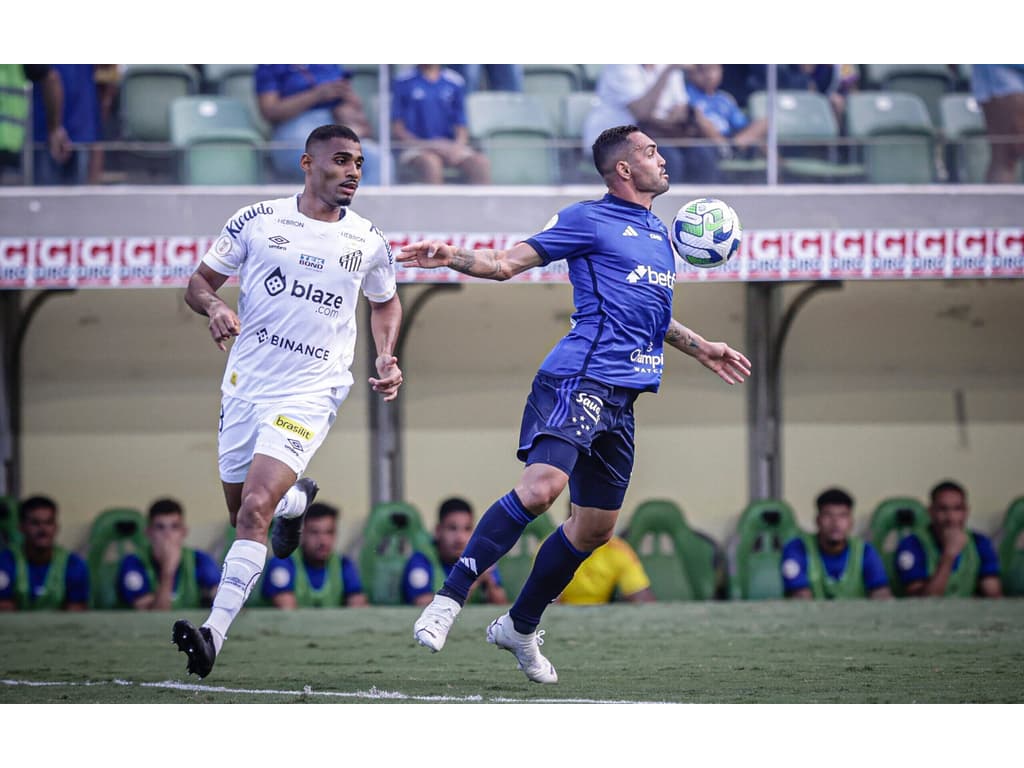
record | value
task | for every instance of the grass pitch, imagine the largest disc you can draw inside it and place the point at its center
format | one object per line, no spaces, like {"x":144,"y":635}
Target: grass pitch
{"x":951,"y":651}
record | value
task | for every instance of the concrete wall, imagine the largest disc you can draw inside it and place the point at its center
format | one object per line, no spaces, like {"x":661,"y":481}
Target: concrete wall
{"x":121,"y":387}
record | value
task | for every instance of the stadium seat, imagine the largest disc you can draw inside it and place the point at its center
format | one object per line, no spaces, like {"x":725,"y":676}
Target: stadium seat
{"x":365,"y":82}
{"x":238,"y":81}
{"x":893,"y":519}
{"x":967,"y":147}
{"x":898,"y":136}
{"x":1011,"y":549}
{"x":515,"y":565}
{"x":10,"y":535}
{"x":930,"y":82}
{"x":681,"y":563}
{"x":516,"y":133}
{"x":220,"y":145}
{"x":591,"y":72}
{"x":393,"y":531}
{"x":551,"y":83}
{"x":807,"y":131}
{"x":147,"y":92}
{"x":763,"y":530}
{"x":114,"y":533}
{"x":577,"y":162}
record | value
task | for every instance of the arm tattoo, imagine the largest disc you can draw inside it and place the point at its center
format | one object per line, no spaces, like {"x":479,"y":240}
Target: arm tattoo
{"x":673,"y":334}
{"x":466,"y":261}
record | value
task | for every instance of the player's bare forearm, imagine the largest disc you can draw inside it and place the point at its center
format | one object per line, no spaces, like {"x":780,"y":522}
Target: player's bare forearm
{"x":682,"y":338}
{"x":717,"y":356}
{"x":385,"y":323}
{"x":485,"y":263}
{"x":201,"y":293}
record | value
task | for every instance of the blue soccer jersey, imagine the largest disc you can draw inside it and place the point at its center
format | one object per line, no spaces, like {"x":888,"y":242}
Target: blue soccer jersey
{"x":281,"y":577}
{"x":133,"y":580}
{"x":912,"y":562}
{"x":622,"y":269}
{"x":794,"y":567}
{"x":76,"y":578}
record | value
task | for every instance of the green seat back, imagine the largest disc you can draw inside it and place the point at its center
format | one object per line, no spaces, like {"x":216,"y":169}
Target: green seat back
{"x":763,"y":530}
{"x":231,"y":158}
{"x":929,"y":82}
{"x":515,"y":131}
{"x":681,"y":563}
{"x":1011,"y":549}
{"x":967,"y":147}
{"x":393,"y":531}
{"x":240,"y":83}
{"x":898,"y":136}
{"x":147,"y":92}
{"x":10,"y":535}
{"x":551,"y":84}
{"x":893,"y":519}
{"x":515,"y":565}
{"x":115,"y":533}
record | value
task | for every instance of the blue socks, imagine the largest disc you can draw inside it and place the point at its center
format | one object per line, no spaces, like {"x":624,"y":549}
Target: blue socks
{"x":496,"y":533}
{"x":553,"y":569}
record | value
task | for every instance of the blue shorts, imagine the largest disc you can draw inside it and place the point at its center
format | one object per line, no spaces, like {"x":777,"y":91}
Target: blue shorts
{"x":584,"y":428}
{"x":990,"y":81}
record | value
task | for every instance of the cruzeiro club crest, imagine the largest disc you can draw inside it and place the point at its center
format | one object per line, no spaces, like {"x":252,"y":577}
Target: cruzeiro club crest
{"x":351,"y":260}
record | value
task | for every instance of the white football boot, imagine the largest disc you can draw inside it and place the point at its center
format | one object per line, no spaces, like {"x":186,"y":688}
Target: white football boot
{"x":526,"y":649}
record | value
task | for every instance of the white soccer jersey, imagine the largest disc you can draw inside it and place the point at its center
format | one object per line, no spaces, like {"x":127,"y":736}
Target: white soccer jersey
{"x":299,"y":288}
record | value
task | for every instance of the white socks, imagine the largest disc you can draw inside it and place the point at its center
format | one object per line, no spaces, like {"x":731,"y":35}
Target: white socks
{"x":292,"y":504}
{"x":242,"y":567}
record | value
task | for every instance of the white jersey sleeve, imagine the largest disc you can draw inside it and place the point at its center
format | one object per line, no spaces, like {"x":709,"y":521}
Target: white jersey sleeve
{"x":230,"y":250}
{"x":380,"y":283}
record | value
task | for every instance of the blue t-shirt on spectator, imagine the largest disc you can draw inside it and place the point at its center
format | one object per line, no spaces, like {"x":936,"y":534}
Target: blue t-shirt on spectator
{"x":76,"y":578}
{"x":133,"y":582}
{"x":912,"y":563}
{"x":794,"y":566}
{"x":719,"y":108}
{"x":289,"y":79}
{"x":280,"y":577}
{"x":429,"y":109}
{"x":81,"y":116}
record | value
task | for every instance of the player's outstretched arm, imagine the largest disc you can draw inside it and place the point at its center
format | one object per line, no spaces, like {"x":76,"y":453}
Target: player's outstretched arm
{"x":731,"y":366}
{"x":201,"y":296}
{"x":486,"y":263}
{"x":385,"y":323}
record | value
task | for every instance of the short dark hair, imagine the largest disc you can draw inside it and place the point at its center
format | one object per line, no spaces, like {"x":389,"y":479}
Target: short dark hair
{"x":947,"y":485}
{"x":32,"y":503}
{"x":319,"y":509}
{"x":452,"y":505}
{"x":608,"y":144}
{"x":833,"y":496}
{"x":165,"y":506}
{"x":328,"y":132}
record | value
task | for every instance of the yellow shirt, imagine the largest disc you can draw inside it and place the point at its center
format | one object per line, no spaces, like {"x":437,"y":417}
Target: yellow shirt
{"x":611,"y":565}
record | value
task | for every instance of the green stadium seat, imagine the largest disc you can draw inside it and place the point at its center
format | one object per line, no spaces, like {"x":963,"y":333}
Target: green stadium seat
{"x":577,"y":162}
{"x":10,"y":533}
{"x":1011,"y":549}
{"x":551,"y":83}
{"x":591,"y":73}
{"x":763,"y":530}
{"x":807,"y":133}
{"x":219,"y":143}
{"x":967,"y":146}
{"x":115,"y":533}
{"x":365,"y":82}
{"x":893,"y":519}
{"x":147,"y":92}
{"x":897,"y":134}
{"x":516,"y":133}
{"x":930,"y":82}
{"x":681,"y":563}
{"x":393,"y":531}
{"x":515,"y":565}
{"x":238,"y":81}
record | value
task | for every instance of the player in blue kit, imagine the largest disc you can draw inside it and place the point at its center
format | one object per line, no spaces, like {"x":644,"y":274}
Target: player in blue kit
{"x":577,"y":428}
{"x":833,"y":564}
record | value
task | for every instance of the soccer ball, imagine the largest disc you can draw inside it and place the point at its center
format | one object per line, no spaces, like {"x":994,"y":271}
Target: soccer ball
{"x":706,"y":232}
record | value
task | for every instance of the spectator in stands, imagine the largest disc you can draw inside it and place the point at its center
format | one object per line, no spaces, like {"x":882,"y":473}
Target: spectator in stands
{"x":428,"y":118}
{"x":67,"y":113}
{"x":314,"y":575}
{"x":999,"y":89}
{"x":653,"y":97}
{"x":454,"y":527}
{"x":296,"y":98}
{"x":169,"y":574}
{"x":727,"y":126}
{"x":833,"y":564}
{"x":835,"y":81}
{"x":14,"y":111}
{"x":613,"y":571}
{"x":41,"y":575}
{"x":949,"y":559}
{"x":500,"y":77}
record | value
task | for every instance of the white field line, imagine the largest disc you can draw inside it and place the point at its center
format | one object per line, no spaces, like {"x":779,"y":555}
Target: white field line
{"x":373,"y":694}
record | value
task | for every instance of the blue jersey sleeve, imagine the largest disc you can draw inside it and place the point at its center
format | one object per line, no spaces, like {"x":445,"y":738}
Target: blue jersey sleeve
{"x":278,"y":577}
{"x":794,"y":566}
{"x":207,"y":571}
{"x":7,"y":574}
{"x":571,"y":232}
{"x":76,"y":580}
{"x":987,"y":554}
{"x":418,"y":577}
{"x":911,"y":563}
{"x":132,"y":581}
{"x":353,"y":585}
{"x":737,"y":120}
{"x":873,"y":569}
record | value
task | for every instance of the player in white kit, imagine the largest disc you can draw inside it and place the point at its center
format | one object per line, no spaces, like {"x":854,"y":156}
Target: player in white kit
{"x":301,"y":262}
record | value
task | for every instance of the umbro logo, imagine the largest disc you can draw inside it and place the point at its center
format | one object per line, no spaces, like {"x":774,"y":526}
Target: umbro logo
{"x":629,"y":232}
{"x":279,"y":242}
{"x":469,"y":562}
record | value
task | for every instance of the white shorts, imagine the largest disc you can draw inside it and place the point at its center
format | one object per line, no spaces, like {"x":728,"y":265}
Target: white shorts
{"x":287,"y":430}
